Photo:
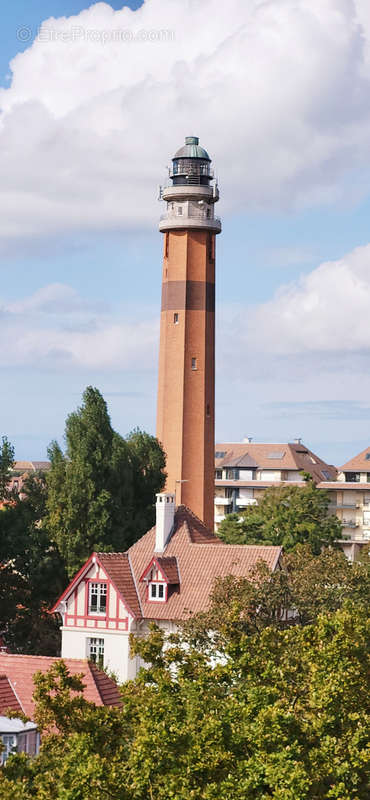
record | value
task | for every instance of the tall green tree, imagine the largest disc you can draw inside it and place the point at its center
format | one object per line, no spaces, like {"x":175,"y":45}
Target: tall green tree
{"x":101,"y":490}
{"x":286,"y":516}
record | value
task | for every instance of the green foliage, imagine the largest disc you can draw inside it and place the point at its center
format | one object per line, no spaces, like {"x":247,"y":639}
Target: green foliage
{"x":101,"y":491}
{"x":287,"y":516}
{"x":303,"y":587}
{"x":32,"y":574}
{"x":6,"y":463}
{"x":284,"y":716}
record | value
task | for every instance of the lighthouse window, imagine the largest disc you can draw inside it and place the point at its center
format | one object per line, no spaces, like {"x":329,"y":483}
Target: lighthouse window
{"x":179,"y":211}
{"x":208,"y":213}
{"x":176,"y":319}
{"x":194,"y":363}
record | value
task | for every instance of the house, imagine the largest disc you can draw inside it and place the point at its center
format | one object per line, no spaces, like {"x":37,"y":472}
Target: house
{"x":16,"y":690}
{"x":244,"y":470}
{"x":165,"y":576}
{"x":350,"y":501}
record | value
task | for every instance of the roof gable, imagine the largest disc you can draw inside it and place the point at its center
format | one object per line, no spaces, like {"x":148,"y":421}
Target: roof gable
{"x":117,"y":567}
{"x":167,"y":566}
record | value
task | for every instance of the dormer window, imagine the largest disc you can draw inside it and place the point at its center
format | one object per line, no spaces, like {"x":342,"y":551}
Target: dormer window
{"x":97,"y":597}
{"x":161,"y":578}
{"x":157,"y":592}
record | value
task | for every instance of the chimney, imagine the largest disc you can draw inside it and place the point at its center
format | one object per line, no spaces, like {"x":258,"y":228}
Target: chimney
{"x":247,"y":439}
{"x":165,"y":515}
{"x":297,"y":441}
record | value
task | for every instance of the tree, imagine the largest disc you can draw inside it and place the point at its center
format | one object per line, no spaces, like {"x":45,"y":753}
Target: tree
{"x":303,"y":587}
{"x":286,"y":516}
{"x":32,"y":573}
{"x":6,"y":464}
{"x":101,"y":491}
{"x":284,"y":716}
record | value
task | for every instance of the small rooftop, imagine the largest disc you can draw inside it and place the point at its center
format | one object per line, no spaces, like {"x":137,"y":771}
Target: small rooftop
{"x":192,"y":149}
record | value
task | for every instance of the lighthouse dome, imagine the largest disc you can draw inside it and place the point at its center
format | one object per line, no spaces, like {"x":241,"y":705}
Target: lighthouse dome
{"x":192,"y":149}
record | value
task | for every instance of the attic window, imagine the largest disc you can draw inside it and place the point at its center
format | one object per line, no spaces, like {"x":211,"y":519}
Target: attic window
{"x":276,"y":455}
{"x":326,"y":474}
{"x":367,"y":457}
{"x":97,"y":598}
{"x":220,"y":453}
{"x":157,"y":592}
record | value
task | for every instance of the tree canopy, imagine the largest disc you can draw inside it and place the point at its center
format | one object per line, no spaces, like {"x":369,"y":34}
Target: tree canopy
{"x":287,"y":516}
{"x":101,"y":490}
{"x":285,"y":715}
{"x":98,"y":495}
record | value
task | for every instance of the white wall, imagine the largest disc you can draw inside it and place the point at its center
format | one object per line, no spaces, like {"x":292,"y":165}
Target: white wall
{"x":116,"y":649}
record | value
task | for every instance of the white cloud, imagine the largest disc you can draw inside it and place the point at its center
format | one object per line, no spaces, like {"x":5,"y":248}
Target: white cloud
{"x":326,"y":311}
{"x":55,"y":329}
{"x":278,"y":91}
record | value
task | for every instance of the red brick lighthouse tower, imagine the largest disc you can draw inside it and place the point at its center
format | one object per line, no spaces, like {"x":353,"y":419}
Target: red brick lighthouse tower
{"x":186,"y":383}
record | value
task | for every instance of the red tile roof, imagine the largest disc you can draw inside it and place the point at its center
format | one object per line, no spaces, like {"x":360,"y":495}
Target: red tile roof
{"x":358,"y":463}
{"x":8,"y":697}
{"x":287,"y":456}
{"x":200,"y":558}
{"x":19,"y":670}
{"x":193,"y":558}
{"x":118,"y":567}
{"x":169,"y":568}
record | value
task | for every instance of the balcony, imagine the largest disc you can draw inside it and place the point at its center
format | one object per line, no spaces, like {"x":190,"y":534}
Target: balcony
{"x":219,"y":518}
{"x":349,"y":523}
{"x":223,"y":501}
{"x":345,"y":505}
{"x":246,"y":501}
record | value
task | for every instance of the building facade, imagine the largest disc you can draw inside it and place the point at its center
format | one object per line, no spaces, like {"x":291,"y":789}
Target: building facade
{"x":186,"y":379}
{"x":244,"y":470}
{"x":350,"y":501}
{"x":163,"y":578}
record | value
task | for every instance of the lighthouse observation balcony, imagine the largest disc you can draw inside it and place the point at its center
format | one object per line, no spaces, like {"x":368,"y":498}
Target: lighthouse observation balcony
{"x":192,"y":218}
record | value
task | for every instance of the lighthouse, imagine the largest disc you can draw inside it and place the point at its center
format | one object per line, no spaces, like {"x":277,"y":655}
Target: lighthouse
{"x":186,"y":380}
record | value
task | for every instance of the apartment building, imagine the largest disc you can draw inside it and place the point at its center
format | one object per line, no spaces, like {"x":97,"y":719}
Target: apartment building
{"x":350,"y":501}
{"x":243,"y":470}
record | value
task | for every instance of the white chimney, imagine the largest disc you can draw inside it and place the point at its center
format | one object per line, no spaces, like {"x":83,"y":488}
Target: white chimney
{"x":165,"y":515}
{"x":297,"y":441}
{"x":247,"y":439}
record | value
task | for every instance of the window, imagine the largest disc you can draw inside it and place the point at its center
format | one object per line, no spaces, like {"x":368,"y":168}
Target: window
{"x":367,"y":457}
{"x":326,"y":474}
{"x":208,"y":213}
{"x":97,"y":598}
{"x":95,"y":651}
{"x":208,"y":410}
{"x":194,"y":363}
{"x":176,"y":319}
{"x":157,"y":592}
{"x":220,"y":453}
{"x":10,"y":746}
{"x":232,"y":474}
{"x":179,"y":211}
{"x":218,"y":474}
{"x":352,"y":477}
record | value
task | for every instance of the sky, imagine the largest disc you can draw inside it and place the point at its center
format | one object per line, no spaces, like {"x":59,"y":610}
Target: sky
{"x":95,"y":99}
